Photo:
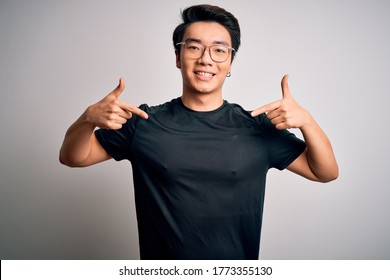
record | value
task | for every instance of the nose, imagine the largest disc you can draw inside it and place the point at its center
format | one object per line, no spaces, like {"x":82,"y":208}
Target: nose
{"x":205,"y":59}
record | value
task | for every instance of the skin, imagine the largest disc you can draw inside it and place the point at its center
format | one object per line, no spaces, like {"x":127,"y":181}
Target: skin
{"x":317,"y":162}
{"x":81,"y":148}
{"x":203,"y":93}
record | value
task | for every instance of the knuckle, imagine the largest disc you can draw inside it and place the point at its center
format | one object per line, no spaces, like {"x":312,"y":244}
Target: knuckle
{"x":113,"y":125}
{"x":122,"y":120}
{"x":112,"y":108}
{"x":283,"y":109}
{"x":289,"y":124}
{"x":279,"y":126}
{"x":104,"y":124}
{"x":111,"y":116}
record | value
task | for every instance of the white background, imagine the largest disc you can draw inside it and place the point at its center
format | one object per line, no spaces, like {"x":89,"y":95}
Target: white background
{"x":58,"y":57}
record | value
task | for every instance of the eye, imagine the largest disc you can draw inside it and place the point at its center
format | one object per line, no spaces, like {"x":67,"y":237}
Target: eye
{"x":220,"y":49}
{"x":193,"y":47}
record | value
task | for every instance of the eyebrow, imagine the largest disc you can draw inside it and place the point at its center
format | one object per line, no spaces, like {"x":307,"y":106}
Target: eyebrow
{"x":200,"y":41}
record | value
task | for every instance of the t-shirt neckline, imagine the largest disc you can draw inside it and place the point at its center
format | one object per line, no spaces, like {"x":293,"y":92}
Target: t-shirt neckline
{"x":201,"y":112}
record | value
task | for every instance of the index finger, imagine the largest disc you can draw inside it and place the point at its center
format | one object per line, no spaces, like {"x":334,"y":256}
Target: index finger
{"x":266,"y":108}
{"x":132,"y":109}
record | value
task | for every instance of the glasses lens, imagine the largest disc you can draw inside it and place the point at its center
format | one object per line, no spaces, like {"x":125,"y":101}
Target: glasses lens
{"x":218,"y":53}
{"x":193,"y":49}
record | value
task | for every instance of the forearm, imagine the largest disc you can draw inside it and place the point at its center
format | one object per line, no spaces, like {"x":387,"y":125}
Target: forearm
{"x":320,"y":156}
{"x":77,"y":142}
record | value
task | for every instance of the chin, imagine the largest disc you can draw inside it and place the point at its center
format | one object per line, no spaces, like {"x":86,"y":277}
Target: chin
{"x":206,"y":88}
{"x":205,"y":91}
{"x":201,"y":89}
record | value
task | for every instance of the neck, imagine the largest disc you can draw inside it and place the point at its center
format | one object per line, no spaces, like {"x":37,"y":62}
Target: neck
{"x":202,"y":102}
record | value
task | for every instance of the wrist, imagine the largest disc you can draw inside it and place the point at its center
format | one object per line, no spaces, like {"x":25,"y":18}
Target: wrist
{"x":86,"y":119}
{"x":308,"y":122}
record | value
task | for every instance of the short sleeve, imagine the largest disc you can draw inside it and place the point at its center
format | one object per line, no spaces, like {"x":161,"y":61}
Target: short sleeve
{"x":283,"y":146}
{"x":118,"y":142}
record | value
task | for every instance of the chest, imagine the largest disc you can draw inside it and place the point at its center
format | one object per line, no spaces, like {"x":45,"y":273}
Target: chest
{"x":227,"y":154}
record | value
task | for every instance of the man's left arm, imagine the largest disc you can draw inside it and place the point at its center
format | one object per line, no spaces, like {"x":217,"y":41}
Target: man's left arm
{"x":317,"y":162}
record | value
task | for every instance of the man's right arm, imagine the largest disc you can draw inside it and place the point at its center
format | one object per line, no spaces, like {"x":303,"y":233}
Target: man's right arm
{"x":80,"y":147}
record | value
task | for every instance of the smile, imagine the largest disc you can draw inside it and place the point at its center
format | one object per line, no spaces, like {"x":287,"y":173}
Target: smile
{"x":204,"y":74}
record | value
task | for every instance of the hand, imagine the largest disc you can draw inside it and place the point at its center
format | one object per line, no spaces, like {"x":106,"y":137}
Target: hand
{"x":286,"y":112}
{"x":110,"y":112}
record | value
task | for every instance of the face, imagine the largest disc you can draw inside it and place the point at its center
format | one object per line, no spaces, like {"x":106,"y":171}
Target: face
{"x":204,"y":75}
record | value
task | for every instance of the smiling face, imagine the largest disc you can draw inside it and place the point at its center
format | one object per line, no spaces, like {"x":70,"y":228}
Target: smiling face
{"x":203,"y":75}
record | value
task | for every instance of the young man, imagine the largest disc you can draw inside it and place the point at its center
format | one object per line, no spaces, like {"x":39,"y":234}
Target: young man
{"x":200,"y":163}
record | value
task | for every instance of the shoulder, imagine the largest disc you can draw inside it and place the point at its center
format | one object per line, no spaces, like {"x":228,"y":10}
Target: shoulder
{"x":260,"y":122}
{"x":245,"y":115}
{"x":167,"y":106}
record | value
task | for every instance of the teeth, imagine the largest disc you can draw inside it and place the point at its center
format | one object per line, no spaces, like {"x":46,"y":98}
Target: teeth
{"x":204,"y":74}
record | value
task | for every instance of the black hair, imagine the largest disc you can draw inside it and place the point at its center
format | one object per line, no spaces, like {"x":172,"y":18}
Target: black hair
{"x":208,"y":13}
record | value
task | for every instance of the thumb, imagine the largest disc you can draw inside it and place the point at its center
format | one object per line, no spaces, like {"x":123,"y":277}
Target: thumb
{"x":119,"y":89}
{"x":285,"y":89}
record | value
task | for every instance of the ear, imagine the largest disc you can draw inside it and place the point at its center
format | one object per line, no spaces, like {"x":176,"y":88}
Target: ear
{"x":178,"y":63}
{"x":230,"y":68}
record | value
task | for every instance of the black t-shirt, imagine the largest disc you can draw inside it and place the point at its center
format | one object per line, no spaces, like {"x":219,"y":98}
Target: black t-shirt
{"x":199,"y":178}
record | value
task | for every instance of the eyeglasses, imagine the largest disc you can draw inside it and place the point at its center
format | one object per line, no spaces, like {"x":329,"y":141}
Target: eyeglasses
{"x":195,"y":50}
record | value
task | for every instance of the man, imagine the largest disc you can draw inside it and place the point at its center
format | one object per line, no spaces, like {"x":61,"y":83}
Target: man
{"x":200,"y":163}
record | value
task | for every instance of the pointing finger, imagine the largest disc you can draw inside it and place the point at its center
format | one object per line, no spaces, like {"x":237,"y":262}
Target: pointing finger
{"x":266,"y":108}
{"x":132,"y":109}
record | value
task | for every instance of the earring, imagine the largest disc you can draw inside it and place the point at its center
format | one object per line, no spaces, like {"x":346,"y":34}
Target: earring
{"x":228,"y":74}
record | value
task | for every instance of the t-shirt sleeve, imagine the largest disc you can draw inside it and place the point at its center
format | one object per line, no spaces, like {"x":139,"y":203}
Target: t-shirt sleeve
{"x":118,"y":142}
{"x":283,"y":146}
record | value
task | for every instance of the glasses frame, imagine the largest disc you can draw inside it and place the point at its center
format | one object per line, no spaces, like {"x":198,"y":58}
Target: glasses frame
{"x":230,"y":50}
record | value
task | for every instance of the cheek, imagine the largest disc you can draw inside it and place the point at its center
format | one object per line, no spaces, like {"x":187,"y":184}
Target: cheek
{"x":225,"y":68}
{"x":186,"y":67}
